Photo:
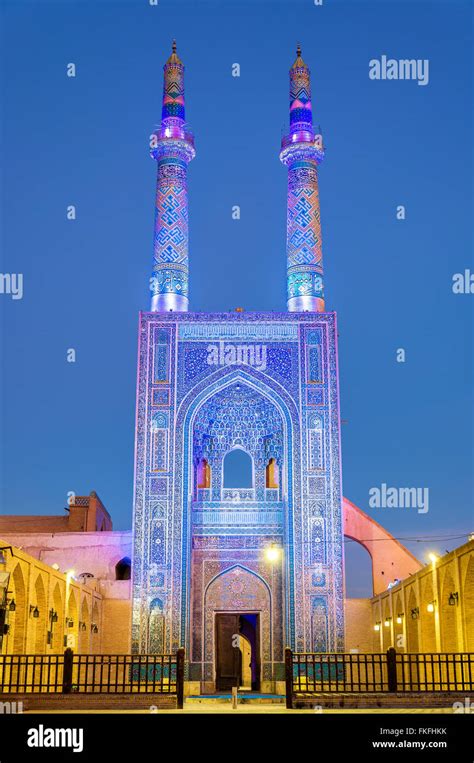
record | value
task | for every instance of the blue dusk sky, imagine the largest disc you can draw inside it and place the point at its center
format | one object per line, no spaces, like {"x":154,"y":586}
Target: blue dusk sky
{"x":84,"y":141}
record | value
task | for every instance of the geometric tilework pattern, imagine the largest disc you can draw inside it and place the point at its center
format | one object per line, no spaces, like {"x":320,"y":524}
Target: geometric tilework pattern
{"x":171,"y":227}
{"x":300,"y":98}
{"x":303,"y":228}
{"x":207,"y":411}
{"x":173,"y":91}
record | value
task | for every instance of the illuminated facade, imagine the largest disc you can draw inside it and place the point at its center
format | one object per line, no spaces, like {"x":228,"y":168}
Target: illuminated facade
{"x":264,"y":561}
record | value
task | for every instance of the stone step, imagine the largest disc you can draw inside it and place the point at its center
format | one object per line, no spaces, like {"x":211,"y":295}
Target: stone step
{"x":242,"y":698}
{"x":408,"y":700}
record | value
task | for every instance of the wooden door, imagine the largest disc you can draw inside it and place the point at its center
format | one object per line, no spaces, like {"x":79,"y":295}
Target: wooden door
{"x":228,"y":657}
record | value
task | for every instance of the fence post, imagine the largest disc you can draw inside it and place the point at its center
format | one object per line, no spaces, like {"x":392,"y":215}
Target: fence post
{"x":67,"y":671}
{"x":180,"y":678}
{"x":392,"y":669}
{"x":289,"y":677}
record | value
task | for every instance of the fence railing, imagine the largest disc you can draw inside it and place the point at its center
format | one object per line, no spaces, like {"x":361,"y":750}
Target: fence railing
{"x":93,"y":673}
{"x":35,"y":673}
{"x":434,"y":672}
{"x":308,"y":674}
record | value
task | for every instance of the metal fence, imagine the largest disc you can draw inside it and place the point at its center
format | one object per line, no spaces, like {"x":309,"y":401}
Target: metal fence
{"x":309,"y":674}
{"x":31,"y":673}
{"x":93,"y":673}
{"x":435,"y":672}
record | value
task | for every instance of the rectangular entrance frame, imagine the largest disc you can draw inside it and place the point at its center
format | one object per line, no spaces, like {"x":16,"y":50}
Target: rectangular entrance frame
{"x":228,"y":657}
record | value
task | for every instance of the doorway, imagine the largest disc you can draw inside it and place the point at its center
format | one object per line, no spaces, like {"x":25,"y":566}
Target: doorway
{"x":237,"y":651}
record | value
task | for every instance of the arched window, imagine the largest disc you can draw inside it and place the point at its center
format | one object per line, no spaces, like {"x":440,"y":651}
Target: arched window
{"x":238,"y":471}
{"x":203,"y":474}
{"x":123,"y":569}
{"x":272,"y":474}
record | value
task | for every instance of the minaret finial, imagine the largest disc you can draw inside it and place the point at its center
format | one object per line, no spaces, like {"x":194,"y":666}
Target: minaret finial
{"x":298,"y":50}
{"x":173,"y":47}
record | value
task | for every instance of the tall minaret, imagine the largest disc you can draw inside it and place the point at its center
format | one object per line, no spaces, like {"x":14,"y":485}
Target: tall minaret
{"x":173,"y":148}
{"x":302,"y":151}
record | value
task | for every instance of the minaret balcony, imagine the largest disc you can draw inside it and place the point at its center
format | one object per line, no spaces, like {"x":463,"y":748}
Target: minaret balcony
{"x":170,"y":140}
{"x":175,"y":132}
{"x":299,"y":136}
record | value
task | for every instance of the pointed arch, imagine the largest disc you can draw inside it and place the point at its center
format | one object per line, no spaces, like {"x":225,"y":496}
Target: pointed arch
{"x":156,"y":627}
{"x":232,"y":568}
{"x":72,"y":623}
{"x":84,"y":627}
{"x":40,"y":621}
{"x":239,"y":460}
{"x":94,"y":629}
{"x":57,"y":627}
{"x":240,"y":589}
{"x":203,"y":474}
{"x":17,"y":618}
{"x":123,"y":568}
{"x":386,"y":629}
{"x":398,"y":614}
{"x":186,"y":415}
{"x":272,"y":474}
{"x":412,"y":616}
{"x":468,"y":605}
{"x":428,"y":629}
{"x":447,"y":615}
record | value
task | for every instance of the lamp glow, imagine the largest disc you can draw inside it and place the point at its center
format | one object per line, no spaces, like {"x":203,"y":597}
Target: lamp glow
{"x":272,"y":553}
